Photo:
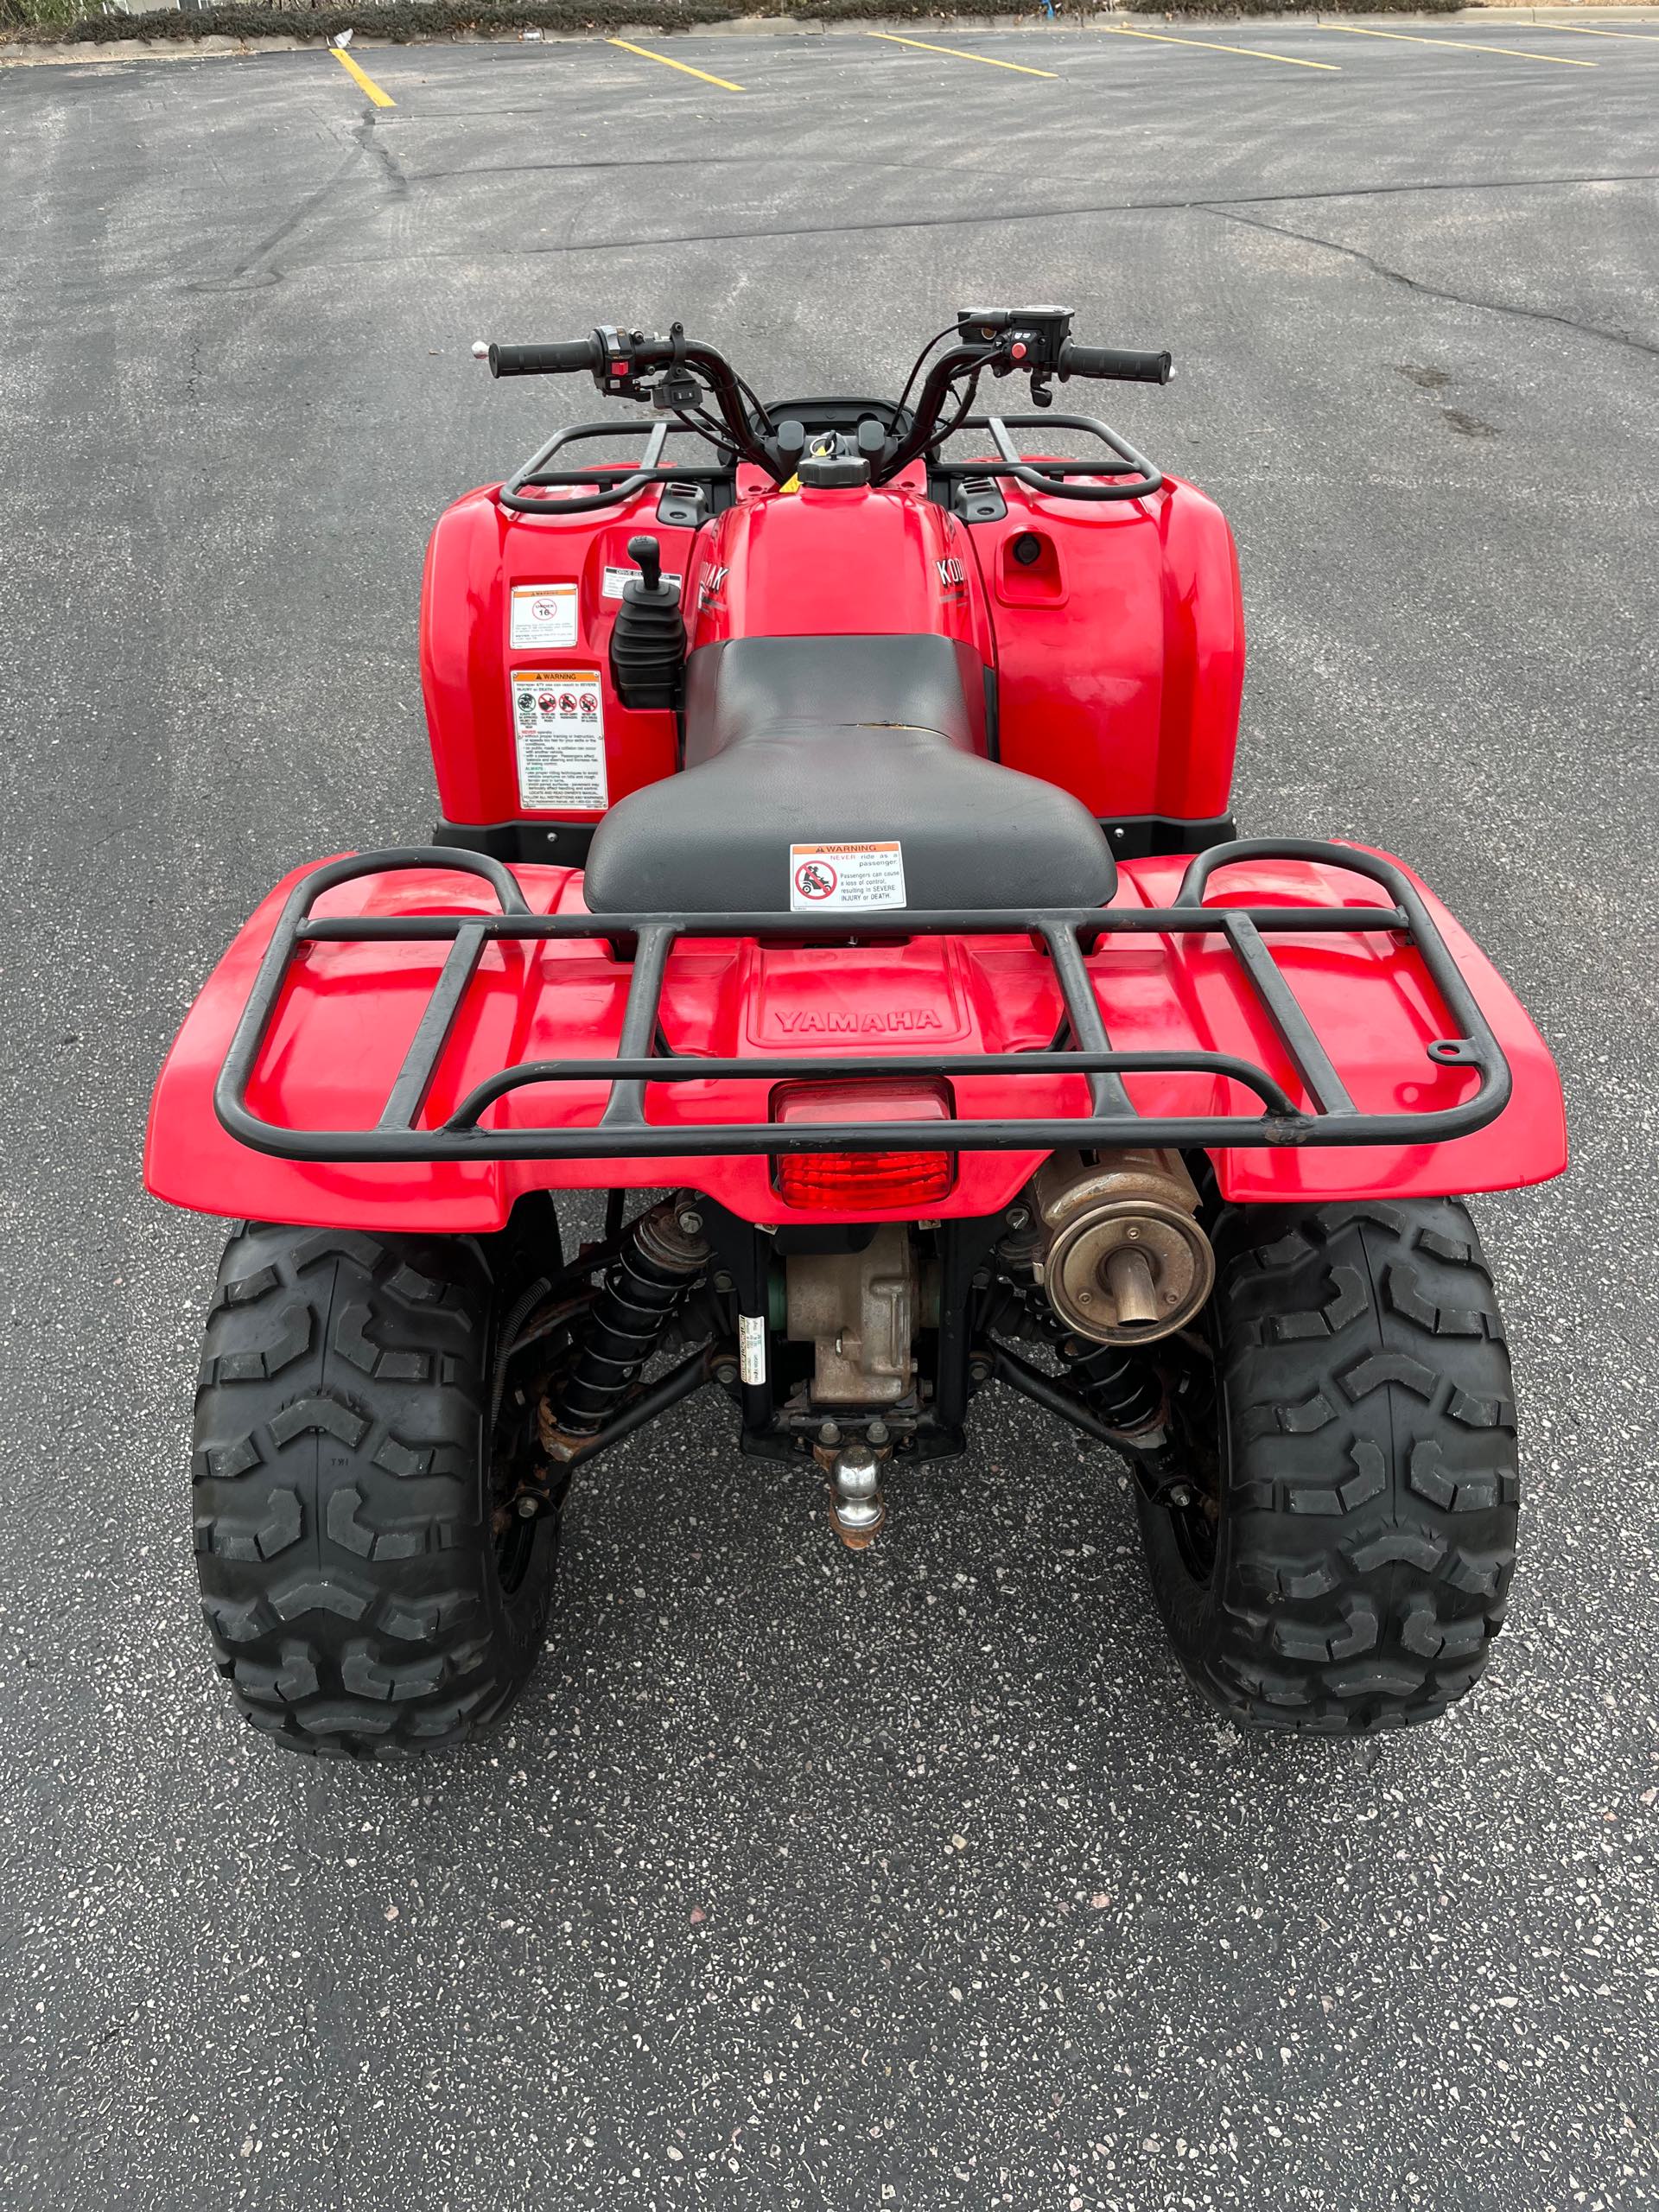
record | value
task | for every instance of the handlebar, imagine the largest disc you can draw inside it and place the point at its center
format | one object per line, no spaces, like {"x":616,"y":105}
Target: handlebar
{"x":1123,"y":365}
{"x":1005,"y":342}
{"x":569,"y":357}
{"x":620,"y":361}
{"x":675,"y":373}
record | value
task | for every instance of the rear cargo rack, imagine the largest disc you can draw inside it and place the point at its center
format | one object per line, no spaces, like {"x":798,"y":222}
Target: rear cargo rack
{"x":640,"y":1060}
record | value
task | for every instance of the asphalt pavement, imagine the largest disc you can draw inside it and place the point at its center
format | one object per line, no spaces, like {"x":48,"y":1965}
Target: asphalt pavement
{"x":917,"y":1880}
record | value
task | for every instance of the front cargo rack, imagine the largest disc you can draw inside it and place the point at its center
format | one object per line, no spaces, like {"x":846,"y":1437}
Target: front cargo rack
{"x":646,"y":940}
{"x":613,"y":481}
{"x":1053,"y":476}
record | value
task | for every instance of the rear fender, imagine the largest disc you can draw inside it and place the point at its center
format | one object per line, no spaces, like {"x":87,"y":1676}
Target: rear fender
{"x":349,"y":1011}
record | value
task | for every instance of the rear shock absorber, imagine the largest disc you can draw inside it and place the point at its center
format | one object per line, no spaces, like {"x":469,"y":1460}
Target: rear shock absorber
{"x":1122,"y":1389}
{"x":662,"y":1255}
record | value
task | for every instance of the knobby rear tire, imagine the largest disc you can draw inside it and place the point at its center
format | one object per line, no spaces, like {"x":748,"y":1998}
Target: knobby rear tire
{"x":1364,"y":1427}
{"x":356,"y":1593}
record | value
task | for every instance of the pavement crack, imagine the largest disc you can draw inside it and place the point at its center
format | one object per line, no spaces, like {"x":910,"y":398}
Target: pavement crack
{"x":1228,"y":213}
{"x":1049,"y":211}
{"x":624,"y":163}
{"x":369,"y":143}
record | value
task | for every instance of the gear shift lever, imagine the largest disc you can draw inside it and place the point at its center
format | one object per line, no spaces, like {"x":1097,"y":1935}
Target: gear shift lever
{"x":647,"y":554}
{"x":648,"y":637}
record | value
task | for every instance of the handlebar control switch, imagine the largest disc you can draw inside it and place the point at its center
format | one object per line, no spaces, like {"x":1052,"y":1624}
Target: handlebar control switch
{"x":1030,"y":339}
{"x":648,"y":637}
{"x":675,"y":392}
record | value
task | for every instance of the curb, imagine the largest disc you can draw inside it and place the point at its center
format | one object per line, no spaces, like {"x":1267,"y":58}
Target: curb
{"x":86,"y":52}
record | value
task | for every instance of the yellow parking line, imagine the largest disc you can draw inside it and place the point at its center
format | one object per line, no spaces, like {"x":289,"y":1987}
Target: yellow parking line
{"x":1123,"y":30}
{"x":957,"y":53}
{"x":1584,"y":30}
{"x":1469,"y":45}
{"x":380,"y":98}
{"x":725,"y":83}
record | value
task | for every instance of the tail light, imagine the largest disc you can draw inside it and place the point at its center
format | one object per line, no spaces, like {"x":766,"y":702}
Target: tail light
{"x":860,"y":1182}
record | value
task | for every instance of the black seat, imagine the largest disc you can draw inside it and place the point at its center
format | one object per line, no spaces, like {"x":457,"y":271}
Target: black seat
{"x":792,"y":740}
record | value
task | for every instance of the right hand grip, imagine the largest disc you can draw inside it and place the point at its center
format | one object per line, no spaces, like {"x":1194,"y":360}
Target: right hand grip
{"x":1116,"y":362}
{"x":570,"y":354}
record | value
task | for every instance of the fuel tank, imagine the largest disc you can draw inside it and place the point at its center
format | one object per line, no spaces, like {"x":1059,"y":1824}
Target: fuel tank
{"x":852,"y":562}
{"x":1112,"y":631}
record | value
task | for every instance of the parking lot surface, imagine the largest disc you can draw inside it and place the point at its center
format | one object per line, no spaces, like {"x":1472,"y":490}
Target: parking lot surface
{"x":920,"y":1880}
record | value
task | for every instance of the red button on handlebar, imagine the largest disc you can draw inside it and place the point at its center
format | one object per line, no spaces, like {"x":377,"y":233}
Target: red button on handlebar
{"x":1018,"y":349}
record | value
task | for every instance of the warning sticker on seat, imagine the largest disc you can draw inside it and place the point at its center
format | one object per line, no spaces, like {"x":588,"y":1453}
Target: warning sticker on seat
{"x":542,"y":615}
{"x":558,"y":728}
{"x":828,"y":877}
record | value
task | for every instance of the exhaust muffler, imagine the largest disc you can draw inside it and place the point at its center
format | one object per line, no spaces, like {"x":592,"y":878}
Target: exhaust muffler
{"x":1124,"y":1260}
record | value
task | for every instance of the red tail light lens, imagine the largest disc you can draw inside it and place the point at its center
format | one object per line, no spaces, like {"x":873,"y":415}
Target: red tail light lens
{"x":857,"y":1182}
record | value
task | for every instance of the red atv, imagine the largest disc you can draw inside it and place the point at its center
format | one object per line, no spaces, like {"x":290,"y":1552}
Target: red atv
{"x":835,"y":838}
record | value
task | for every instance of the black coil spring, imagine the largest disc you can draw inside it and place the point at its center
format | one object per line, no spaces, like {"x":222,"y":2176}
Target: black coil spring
{"x":1113,"y":1383}
{"x":629,"y":1316}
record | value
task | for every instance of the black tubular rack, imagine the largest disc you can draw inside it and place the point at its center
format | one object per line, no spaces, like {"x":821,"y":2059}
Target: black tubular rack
{"x":646,"y":940}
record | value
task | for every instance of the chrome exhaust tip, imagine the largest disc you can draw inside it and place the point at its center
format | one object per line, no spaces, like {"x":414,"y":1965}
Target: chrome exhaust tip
{"x":1125,"y":1260}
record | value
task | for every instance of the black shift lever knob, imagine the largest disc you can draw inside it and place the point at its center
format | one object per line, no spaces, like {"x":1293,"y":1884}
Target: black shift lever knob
{"x":648,"y":554}
{"x":648,"y":637}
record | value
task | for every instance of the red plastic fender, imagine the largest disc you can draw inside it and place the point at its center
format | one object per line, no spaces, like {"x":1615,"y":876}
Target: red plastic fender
{"x":347,"y":1017}
{"x":477,"y":555}
{"x":1120,"y":648}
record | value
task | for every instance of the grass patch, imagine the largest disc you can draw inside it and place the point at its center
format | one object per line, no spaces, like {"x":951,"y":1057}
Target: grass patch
{"x":1211,"y":10}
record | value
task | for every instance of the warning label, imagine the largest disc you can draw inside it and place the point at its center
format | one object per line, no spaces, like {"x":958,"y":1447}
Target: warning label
{"x":845,"y":876}
{"x":558,"y":728}
{"x":542,"y":615}
{"x":617,"y":580}
{"x":752,"y":1347}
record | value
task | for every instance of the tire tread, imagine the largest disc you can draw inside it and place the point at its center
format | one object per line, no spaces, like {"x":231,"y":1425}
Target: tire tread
{"x":345,"y":1558}
{"x":1371,"y":1511}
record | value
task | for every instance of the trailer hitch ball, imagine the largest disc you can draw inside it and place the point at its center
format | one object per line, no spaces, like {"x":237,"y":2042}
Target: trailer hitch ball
{"x":1123,"y":1259}
{"x":855,"y":1495}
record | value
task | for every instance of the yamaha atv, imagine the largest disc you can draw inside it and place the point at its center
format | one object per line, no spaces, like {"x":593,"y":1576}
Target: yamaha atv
{"x":835,"y":870}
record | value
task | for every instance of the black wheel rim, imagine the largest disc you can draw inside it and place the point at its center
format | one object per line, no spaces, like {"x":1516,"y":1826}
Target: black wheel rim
{"x":1194,"y":1531}
{"x":514,"y":1465}
{"x":1198,"y":1424}
{"x":515,"y":1547}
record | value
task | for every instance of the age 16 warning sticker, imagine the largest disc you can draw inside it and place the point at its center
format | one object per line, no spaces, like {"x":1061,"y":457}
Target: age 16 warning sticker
{"x":542,"y":615}
{"x":845,"y":876}
{"x":558,"y":728}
